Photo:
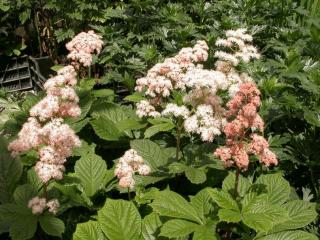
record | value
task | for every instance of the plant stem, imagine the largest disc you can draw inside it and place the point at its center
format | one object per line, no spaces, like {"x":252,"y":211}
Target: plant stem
{"x":178,"y":143}
{"x":129,"y":197}
{"x":236,"y":184}
{"x":45,"y":191}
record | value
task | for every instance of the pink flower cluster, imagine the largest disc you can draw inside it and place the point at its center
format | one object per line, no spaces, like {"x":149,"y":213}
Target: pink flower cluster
{"x":242,"y":127}
{"x":45,"y":131}
{"x":164,"y":77}
{"x":129,"y":164}
{"x":38,"y":205}
{"x":82,"y":47}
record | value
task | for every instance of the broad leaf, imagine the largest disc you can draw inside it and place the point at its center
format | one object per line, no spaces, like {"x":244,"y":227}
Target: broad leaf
{"x":171,"y":204}
{"x":260,"y":215}
{"x":10,"y":173}
{"x":152,"y":153}
{"x":150,"y":226}
{"x":120,"y":220}
{"x":88,"y":230}
{"x":23,"y":194}
{"x":229,"y":215}
{"x":91,"y":170}
{"x":178,"y":228}
{"x":278,"y":189}
{"x":301,"y":213}
{"x":162,"y":127}
{"x":223,"y":199}
{"x":51,"y":225}
{"x":290,"y":235}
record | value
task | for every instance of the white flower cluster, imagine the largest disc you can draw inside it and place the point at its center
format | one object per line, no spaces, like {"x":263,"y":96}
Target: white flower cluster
{"x":204,"y":123}
{"x":175,"y":110}
{"x":145,"y":109}
{"x":164,"y":77}
{"x":82,"y":46}
{"x":240,"y":40}
{"x":38,"y":205}
{"x":201,"y":87}
{"x":129,"y":164}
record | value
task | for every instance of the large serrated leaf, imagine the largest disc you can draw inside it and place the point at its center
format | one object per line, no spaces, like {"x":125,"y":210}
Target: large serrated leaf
{"x":162,"y":127}
{"x":88,"y":230}
{"x":106,"y":129}
{"x":260,"y":215}
{"x":150,"y":226}
{"x":301,"y":213}
{"x":171,"y":204}
{"x":290,"y":235}
{"x":91,"y":170}
{"x":152,"y":153}
{"x":178,"y":228}
{"x":10,"y":173}
{"x":223,"y":199}
{"x":120,"y":220}
{"x":278,"y":189}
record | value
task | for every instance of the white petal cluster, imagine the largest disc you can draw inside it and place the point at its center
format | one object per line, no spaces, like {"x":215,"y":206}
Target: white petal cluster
{"x":82,"y":46}
{"x":39,"y":205}
{"x":240,"y":40}
{"x":204,"y":123}
{"x":176,"y":111}
{"x":164,"y":77}
{"x":145,"y":109}
{"x":201,"y":88}
{"x":129,"y":164}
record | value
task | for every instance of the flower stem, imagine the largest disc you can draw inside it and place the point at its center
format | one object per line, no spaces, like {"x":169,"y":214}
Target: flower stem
{"x":129,"y":197}
{"x":178,"y":143}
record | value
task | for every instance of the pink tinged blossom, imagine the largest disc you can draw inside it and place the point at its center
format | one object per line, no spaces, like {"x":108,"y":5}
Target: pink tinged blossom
{"x":47,"y":108}
{"x":268,"y":157}
{"x":129,"y":164}
{"x":127,"y":182}
{"x":258,"y":144}
{"x":240,"y":156}
{"x":46,"y":171}
{"x":29,"y":137}
{"x":249,"y":110}
{"x":53,"y":206}
{"x":37,"y":205}
{"x":82,"y":47}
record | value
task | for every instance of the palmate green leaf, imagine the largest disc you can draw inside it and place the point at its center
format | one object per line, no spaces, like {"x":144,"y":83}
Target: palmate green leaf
{"x":150,"y":226}
{"x":88,"y":230}
{"x":162,"y":127}
{"x":91,"y":170}
{"x":206,"y":232}
{"x":223,"y":199}
{"x":301,"y":213}
{"x":152,"y":153}
{"x":120,"y":220}
{"x":10,"y":173}
{"x":195,"y":175}
{"x":23,"y":194}
{"x":178,"y":228}
{"x":229,"y":184}
{"x":260,"y":215}
{"x":106,"y":129}
{"x":290,"y":235}
{"x":19,"y":219}
{"x":278,"y":189}
{"x":229,"y":215}
{"x":202,"y":201}
{"x":171,"y":204}
{"x":51,"y":225}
